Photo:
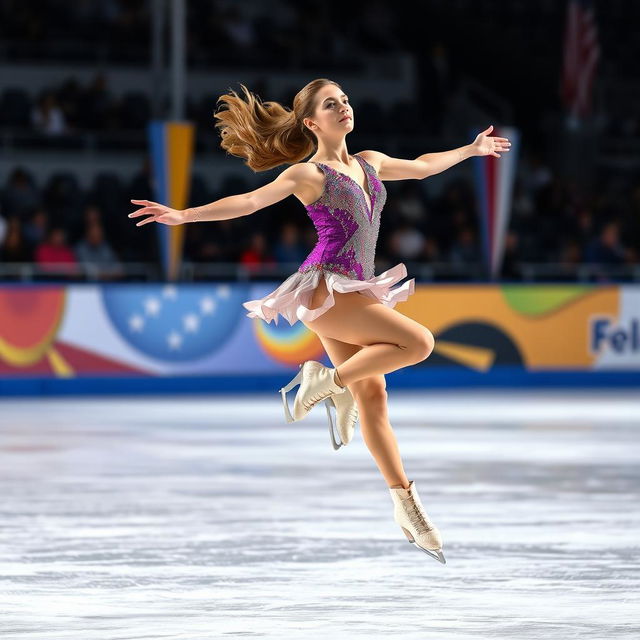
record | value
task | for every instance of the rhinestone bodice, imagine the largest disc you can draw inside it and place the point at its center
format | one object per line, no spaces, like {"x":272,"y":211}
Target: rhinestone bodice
{"x":347,"y":226}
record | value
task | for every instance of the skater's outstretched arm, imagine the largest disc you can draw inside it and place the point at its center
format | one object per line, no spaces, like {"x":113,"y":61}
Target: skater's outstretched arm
{"x":429,"y":164}
{"x":236,"y":206}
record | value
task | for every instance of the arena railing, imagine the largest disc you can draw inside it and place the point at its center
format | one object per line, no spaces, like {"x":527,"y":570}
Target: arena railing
{"x":234,"y":272}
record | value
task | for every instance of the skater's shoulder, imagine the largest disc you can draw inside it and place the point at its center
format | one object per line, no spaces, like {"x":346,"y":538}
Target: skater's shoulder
{"x":300,"y":170}
{"x":309,"y":181}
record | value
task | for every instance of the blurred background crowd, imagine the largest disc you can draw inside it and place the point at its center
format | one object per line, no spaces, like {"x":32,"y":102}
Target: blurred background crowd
{"x":64,"y":222}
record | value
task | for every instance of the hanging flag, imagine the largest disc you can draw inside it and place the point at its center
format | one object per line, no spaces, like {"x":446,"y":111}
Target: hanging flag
{"x":581,"y":55}
{"x":494,"y":180}
{"x":171,"y":146}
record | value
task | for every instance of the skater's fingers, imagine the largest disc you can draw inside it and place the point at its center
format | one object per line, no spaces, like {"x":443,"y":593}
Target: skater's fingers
{"x":150,"y":219}
{"x":140,"y":212}
{"x":146,"y":202}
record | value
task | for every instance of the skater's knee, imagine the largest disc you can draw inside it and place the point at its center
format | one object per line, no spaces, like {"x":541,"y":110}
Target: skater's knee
{"x":427,"y":342}
{"x":371,"y":390}
{"x":420,"y":344}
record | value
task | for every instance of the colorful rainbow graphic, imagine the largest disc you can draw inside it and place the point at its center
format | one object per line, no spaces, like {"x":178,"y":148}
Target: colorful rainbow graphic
{"x":288,"y":345}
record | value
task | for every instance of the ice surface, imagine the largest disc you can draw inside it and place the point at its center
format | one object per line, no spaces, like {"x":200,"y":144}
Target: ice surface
{"x":211,"y":517}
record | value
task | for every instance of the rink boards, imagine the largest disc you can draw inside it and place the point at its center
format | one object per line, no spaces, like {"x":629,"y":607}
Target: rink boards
{"x":57,"y":338}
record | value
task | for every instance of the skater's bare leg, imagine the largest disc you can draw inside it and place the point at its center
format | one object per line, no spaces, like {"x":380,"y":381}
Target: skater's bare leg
{"x":371,"y":397}
{"x":390,"y":340}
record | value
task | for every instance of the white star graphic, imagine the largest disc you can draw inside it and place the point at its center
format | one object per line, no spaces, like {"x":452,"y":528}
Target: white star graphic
{"x":152,"y":306}
{"x":207,"y":305}
{"x":223,"y":290}
{"x":170,"y":291}
{"x":191,"y":322}
{"x":136,"y":322}
{"x":174,"y":340}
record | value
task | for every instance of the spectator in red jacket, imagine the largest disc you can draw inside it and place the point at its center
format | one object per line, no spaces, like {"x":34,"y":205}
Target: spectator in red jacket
{"x":256,"y":255}
{"x":55,"y":255}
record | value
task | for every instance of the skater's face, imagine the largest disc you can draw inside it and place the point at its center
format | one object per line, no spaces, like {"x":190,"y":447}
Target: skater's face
{"x":333,"y":115}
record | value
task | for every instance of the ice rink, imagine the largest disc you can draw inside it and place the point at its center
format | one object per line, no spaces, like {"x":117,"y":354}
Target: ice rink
{"x":211,"y":517}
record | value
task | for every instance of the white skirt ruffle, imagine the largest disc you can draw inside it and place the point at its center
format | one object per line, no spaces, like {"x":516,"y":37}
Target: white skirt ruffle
{"x":291,"y":298}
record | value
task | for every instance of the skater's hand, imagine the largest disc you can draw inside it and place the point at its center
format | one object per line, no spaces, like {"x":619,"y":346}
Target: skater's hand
{"x":157,"y":213}
{"x":485,"y":145}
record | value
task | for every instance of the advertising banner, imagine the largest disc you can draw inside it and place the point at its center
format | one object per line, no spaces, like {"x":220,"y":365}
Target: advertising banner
{"x":76,"y":330}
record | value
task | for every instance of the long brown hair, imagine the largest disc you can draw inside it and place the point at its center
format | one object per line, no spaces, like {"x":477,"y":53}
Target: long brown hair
{"x":267,"y":134}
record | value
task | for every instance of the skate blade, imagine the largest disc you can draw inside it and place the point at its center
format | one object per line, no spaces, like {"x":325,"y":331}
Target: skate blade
{"x":336,"y":444}
{"x":435,"y":554}
{"x":283,"y":391}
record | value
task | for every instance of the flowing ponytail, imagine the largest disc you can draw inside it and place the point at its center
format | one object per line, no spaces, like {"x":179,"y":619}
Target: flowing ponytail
{"x":266,"y":134}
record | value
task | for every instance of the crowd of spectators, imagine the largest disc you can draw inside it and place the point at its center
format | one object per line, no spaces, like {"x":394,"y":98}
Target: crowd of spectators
{"x":308,"y":36}
{"x":61,"y":113}
{"x":552,"y":221}
{"x":31,"y":234}
{"x":221,"y":33}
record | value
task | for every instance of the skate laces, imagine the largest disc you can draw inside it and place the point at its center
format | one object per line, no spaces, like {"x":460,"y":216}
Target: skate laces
{"x":416,"y":514}
{"x":316,"y":398}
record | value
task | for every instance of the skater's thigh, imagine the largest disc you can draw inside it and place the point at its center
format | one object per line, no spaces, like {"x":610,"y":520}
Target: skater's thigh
{"x":338,"y":353}
{"x":358,"y":319}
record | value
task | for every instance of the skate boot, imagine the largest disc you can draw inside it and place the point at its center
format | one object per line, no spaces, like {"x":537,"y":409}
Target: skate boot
{"x":410,"y":515}
{"x":316,"y":383}
{"x":346,"y":415}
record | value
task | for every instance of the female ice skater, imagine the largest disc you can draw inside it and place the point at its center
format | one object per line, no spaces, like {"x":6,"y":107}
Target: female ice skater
{"x":334,"y":292}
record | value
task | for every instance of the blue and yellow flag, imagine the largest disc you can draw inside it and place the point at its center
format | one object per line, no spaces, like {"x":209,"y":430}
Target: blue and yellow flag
{"x":172,"y":147}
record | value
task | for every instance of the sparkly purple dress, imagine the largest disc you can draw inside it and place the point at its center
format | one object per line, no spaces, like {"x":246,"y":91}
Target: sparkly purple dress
{"x":347,"y":230}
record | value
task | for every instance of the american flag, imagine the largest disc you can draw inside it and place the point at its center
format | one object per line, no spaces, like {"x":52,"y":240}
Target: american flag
{"x":581,"y":54}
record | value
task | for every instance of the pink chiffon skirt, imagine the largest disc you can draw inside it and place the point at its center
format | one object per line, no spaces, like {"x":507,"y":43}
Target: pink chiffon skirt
{"x":291,"y":298}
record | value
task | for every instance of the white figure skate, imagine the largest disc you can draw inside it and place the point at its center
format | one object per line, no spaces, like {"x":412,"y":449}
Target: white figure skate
{"x":316,"y":383}
{"x":410,"y":515}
